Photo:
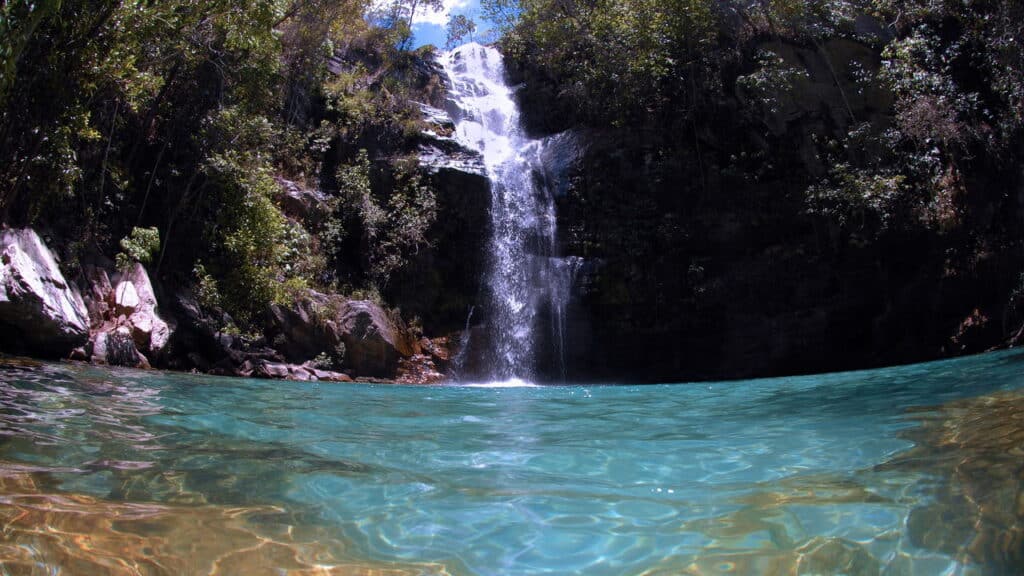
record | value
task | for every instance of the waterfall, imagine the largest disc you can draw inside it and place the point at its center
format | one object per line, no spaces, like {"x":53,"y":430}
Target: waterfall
{"x":526,"y":283}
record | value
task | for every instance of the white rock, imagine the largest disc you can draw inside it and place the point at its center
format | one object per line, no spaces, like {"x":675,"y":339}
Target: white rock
{"x":48,"y":315}
{"x":126,"y":298}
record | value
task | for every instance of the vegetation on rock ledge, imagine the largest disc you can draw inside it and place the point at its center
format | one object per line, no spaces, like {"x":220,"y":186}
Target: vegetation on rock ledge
{"x":179,"y":120}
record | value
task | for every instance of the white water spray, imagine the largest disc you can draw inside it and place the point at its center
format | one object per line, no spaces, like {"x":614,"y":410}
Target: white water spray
{"x":524,"y":278}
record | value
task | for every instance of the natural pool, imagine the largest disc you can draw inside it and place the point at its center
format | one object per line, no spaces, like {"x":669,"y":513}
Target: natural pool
{"x":117,"y":471}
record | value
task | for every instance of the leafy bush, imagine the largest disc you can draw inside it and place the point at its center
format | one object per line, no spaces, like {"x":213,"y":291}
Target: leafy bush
{"x":139,"y":246}
{"x":772,"y":82}
{"x":863,"y":202}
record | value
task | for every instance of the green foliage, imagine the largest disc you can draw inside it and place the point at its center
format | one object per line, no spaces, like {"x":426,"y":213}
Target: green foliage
{"x":858,"y":200}
{"x":392,"y":226}
{"x":772,"y":82}
{"x":335,"y":360}
{"x":411,"y":210}
{"x":19,"y":20}
{"x":249,"y":234}
{"x":260,"y":256}
{"x":594,"y":49}
{"x":207,"y":291}
{"x":139,"y":246}
{"x":502,"y":14}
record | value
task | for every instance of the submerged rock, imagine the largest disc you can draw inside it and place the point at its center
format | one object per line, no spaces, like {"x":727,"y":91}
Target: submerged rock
{"x":42,"y":312}
{"x":974,"y":449}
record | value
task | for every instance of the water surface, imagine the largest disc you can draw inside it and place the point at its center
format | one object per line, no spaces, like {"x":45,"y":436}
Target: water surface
{"x":839,"y":473}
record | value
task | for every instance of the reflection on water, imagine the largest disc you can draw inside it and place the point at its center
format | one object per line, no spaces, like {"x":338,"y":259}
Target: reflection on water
{"x":119,"y":471}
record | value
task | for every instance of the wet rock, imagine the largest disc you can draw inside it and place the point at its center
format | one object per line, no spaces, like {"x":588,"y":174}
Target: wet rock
{"x":117,"y":348}
{"x":299,"y":373}
{"x":439,"y":150}
{"x":330,"y":376}
{"x":41,"y":311}
{"x":438,"y":350}
{"x":441,"y":282}
{"x":974,"y":333}
{"x":272,"y":370}
{"x":418,"y":369}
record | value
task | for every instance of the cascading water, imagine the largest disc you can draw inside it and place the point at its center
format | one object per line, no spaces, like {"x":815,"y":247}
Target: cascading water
{"x":525,"y":281}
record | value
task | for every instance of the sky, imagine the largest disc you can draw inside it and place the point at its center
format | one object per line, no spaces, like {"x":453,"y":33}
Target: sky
{"x":430,"y":27}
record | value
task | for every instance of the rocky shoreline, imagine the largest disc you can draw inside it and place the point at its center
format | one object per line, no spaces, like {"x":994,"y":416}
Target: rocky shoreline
{"x":113,"y":317}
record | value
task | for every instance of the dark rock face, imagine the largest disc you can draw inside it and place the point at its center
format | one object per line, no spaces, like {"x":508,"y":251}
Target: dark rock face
{"x":443,"y":281}
{"x":40,"y":311}
{"x":200,"y":343}
{"x":305,"y":328}
{"x":700,"y":260}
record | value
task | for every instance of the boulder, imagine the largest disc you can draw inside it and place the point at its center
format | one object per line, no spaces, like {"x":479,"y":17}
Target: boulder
{"x":41,"y":312}
{"x":305,"y":328}
{"x":329,"y":375}
{"x":200,"y":343}
{"x":299,"y":373}
{"x":136,"y":298}
{"x":303,"y":204}
{"x":374,"y":342}
{"x":272,"y":370}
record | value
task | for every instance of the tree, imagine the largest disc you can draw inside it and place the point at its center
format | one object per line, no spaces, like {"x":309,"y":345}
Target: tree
{"x":459,"y":27}
{"x":399,"y":15}
{"x":503,"y":14}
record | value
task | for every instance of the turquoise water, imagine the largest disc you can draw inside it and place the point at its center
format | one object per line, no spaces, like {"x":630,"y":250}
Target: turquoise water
{"x":687,"y":478}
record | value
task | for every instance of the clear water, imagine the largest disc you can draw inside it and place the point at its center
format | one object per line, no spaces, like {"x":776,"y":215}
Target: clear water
{"x":524,"y":276}
{"x":737,"y":477}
